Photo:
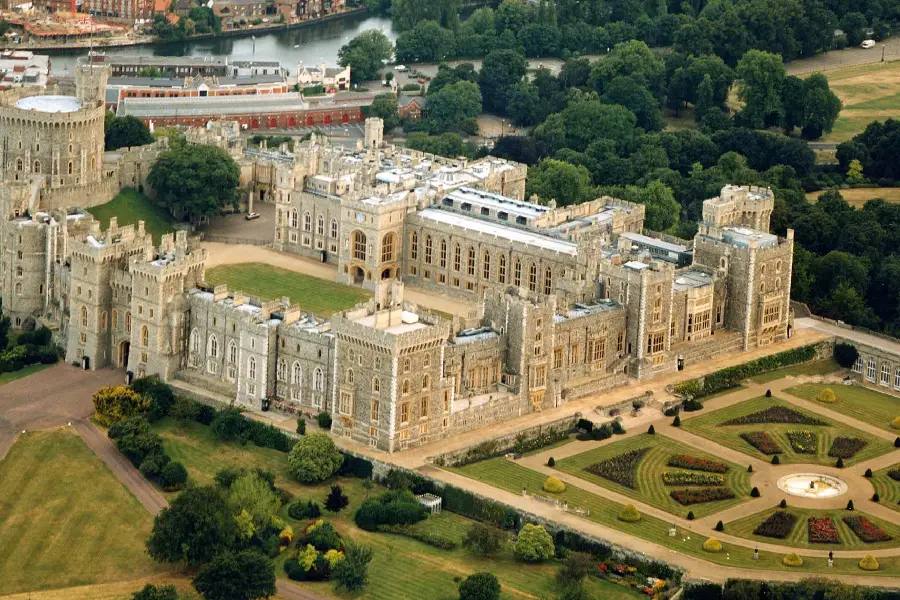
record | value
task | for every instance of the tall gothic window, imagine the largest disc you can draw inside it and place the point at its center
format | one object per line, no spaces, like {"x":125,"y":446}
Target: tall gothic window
{"x":387,"y":248}
{"x":358,"y":242}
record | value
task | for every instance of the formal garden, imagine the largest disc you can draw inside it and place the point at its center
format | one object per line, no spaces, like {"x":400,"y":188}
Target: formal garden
{"x":862,"y":403}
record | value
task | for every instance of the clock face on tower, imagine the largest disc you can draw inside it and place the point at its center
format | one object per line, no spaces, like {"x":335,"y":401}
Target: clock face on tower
{"x":359,"y":218}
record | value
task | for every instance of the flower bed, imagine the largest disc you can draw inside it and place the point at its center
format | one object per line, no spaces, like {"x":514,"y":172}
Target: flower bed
{"x":821,"y":530}
{"x":866,"y":530}
{"x":762,"y":441}
{"x":846,"y":447}
{"x":621,"y":469}
{"x":688,"y":497}
{"x":684,"y":461}
{"x":894,"y":474}
{"x":687,"y":478}
{"x":775,"y":414}
{"x":779,"y":525}
{"x":803,"y":441}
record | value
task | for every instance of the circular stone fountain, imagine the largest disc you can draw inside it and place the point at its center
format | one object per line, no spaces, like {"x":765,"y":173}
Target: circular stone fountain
{"x":812,"y":485}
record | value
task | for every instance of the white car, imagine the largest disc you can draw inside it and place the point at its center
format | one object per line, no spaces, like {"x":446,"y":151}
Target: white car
{"x":400,"y":68}
{"x":867,"y":44}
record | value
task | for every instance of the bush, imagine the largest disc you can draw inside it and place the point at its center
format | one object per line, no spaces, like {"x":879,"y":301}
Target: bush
{"x":324,"y":420}
{"x":314,"y":458}
{"x":550,"y":462}
{"x":534,"y":544}
{"x":554,"y":486}
{"x":479,"y":586}
{"x":584,"y":425}
{"x":322,"y":536}
{"x":336,"y":500}
{"x":849,"y":504}
{"x":134,"y":439}
{"x":768,"y":393}
{"x":174,"y":476}
{"x":783,"y":503}
{"x":651,"y":430}
{"x":868,"y":563}
{"x":617,"y":428}
{"x":897,"y":442}
{"x":895,"y":423}
{"x":230,"y":424}
{"x":840,"y":463}
{"x":720,"y":526}
{"x":775,"y":460}
{"x":484,"y":539}
{"x":712,"y":545}
{"x":160,"y":394}
{"x":114,"y":403}
{"x":868,"y":474}
{"x":630,"y":514}
{"x":298,"y":510}
{"x":301,"y":426}
{"x":692,"y":405}
{"x":876,"y":497}
{"x":845,"y":354}
{"x":754,"y":493}
{"x":152,"y":466}
{"x":398,"y":507}
{"x":690,"y":515}
{"x":826,"y":396}
{"x":750,"y":467}
{"x":792,"y":560}
{"x":430,"y":538}
{"x":676,"y":422}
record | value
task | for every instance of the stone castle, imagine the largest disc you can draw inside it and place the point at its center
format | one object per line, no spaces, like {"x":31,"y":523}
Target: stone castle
{"x":569,"y":300}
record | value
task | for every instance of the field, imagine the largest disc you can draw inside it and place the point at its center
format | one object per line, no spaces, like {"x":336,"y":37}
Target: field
{"x":650,"y":471}
{"x":130,"y":206}
{"x":401,"y":567}
{"x":798,"y":537}
{"x":509,"y":476}
{"x":709,"y":426}
{"x":66,"y":520}
{"x":311,"y":294}
{"x":858,"y":402}
{"x":857,"y":197}
{"x":816,"y":367}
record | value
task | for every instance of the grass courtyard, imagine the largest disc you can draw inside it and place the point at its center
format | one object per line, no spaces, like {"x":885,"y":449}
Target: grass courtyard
{"x":888,"y":488}
{"x":712,"y":426}
{"x":649,"y":474}
{"x":812,"y":368}
{"x":864,"y":404}
{"x":311,"y":294}
{"x":65,"y":520}
{"x":868,"y":92}
{"x":130,"y":206}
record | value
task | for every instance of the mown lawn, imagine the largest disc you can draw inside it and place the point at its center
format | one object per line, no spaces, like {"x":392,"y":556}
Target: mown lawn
{"x":650,"y":487}
{"x":23,"y":372}
{"x":65,"y":520}
{"x":512,"y":477}
{"x":869,"y":93}
{"x":798,"y":538}
{"x":816,"y":367}
{"x":887,"y":489}
{"x":311,"y":294}
{"x":130,"y":206}
{"x":857,"y":197}
{"x":710,"y":426}
{"x":401,"y":567}
{"x":855,"y":401}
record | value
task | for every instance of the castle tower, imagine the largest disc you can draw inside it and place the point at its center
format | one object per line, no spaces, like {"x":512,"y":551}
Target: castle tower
{"x":374,"y":131}
{"x":90,"y":83}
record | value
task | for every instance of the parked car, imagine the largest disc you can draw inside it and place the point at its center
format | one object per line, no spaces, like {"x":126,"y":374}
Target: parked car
{"x":867,"y":44}
{"x":400,"y":68}
{"x":251,"y":216}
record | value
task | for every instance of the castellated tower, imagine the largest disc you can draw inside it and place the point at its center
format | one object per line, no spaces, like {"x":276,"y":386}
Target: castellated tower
{"x":90,"y":83}
{"x":374,"y":133}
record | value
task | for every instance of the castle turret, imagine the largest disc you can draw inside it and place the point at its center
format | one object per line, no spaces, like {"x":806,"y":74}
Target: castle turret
{"x":90,"y":83}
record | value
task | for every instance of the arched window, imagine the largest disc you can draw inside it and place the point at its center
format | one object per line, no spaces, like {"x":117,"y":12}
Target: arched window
{"x":457,"y":258}
{"x":376,"y":384}
{"x":407,"y":364}
{"x":115,"y":319}
{"x":37,"y":166}
{"x":548,"y":281}
{"x":84,"y":316}
{"x":232,"y":352}
{"x":778,"y":283}
{"x":762,"y":288}
{"x":414,"y":245}
{"x":145,"y":336}
{"x":387,"y":248}
{"x":532,"y":277}
{"x":319,"y":380}
{"x":18,"y":289}
{"x":69,"y":168}
{"x":128,"y":322}
{"x":443,"y":253}
{"x":251,"y":368}
{"x":21,"y":166}
{"x":212,"y":347}
{"x":428,"y":249}
{"x":517,"y":273}
{"x":320,"y":225}
{"x":296,"y":374}
{"x":93,"y":162}
{"x":358,"y":243}
{"x":334,"y":229}
{"x":195,"y":341}
{"x":501,"y":269}
{"x":103,"y":321}
{"x":404,"y":388}
{"x":762,"y":270}
{"x":307,"y":221}
{"x":778,"y":266}
{"x":281,"y":370}
{"x":470,"y":265}
{"x":486,"y":265}
{"x":348,"y":376}
{"x":426,"y":381}
{"x":294,"y":218}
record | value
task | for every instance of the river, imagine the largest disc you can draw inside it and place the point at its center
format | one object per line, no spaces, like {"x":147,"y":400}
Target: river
{"x":310,"y":44}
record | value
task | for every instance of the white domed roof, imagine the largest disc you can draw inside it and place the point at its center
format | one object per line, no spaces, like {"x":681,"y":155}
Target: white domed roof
{"x":50,"y":104}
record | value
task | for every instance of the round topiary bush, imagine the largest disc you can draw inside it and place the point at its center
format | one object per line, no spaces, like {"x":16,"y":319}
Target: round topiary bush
{"x":897,"y":442}
{"x":782,"y":504}
{"x":676,"y":422}
{"x":768,"y":393}
{"x":554,"y":486}
{"x":712,"y":545}
{"x":551,"y":462}
{"x":690,"y":515}
{"x":826,"y":395}
{"x":792,"y":560}
{"x":630,"y":514}
{"x":895,"y":424}
{"x":776,"y":460}
{"x":754,"y":493}
{"x":868,"y":474}
{"x":868,"y":563}
{"x":720,"y":526}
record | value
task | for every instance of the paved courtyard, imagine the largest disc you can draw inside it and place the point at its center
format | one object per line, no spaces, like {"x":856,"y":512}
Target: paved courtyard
{"x":235,"y":228}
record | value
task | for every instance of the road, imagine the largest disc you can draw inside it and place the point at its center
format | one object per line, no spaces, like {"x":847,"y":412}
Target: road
{"x":857,"y":336}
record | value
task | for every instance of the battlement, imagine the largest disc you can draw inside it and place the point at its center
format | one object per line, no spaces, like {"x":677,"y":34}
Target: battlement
{"x":747,"y":206}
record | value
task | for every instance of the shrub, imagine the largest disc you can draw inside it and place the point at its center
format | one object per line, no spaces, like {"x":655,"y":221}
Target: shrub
{"x":152,"y":466}
{"x":336,"y":500}
{"x":840,"y":463}
{"x":173,"y":476}
{"x":720,"y":526}
{"x":533,"y":544}
{"x":630,"y":514}
{"x":779,"y":525}
{"x":897,"y":442}
{"x":895,"y":423}
{"x":826,"y":396}
{"x":792,"y":560}
{"x":301,"y":426}
{"x":849,"y":504}
{"x":617,"y":428}
{"x":690,"y":515}
{"x":322,"y":536}
{"x":135,"y":440}
{"x":551,"y":462}
{"x":115,"y":403}
{"x":324,"y":420}
{"x":584,"y":425}
{"x":314,"y":458}
{"x":775,"y":460}
{"x":479,"y":586}
{"x":483,"y":539}
{"x":845,"y":354}
{"x":868,"y":563}
{"x":750,"y":467}
{"x":621,"y":469}
{"x":768,"y":393}
{"x":876,"y":497}
{"x":160,"y":394}
{"x":712,"y":545}
{"x":692,"y":405}
{"x":754,"y":493}
{"x":553,"y":485}
{"x":783,"y":503}
{"x":676,"y":422}
{"x":397,"y":507}
{"x":426,"y":537}
{"x":298,"y":510}
{"x":700,"y":496}
{"x":651,"y":430}
{"x":868,"y":474}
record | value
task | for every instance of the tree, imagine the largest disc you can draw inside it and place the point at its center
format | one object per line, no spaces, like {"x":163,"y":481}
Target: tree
{"x":525,"y":106}
{"x":662,"y":210}
{"x":854,"y":25}
{"x":152,"y":592}
{"x":454,"y":106}
{"x":627,"y":91}
{"x":557,"y":180}
{"x":252,"y":494}
{"x":484,"y":539}
{"x":159,"y":393}
{"x":114,"y":403}
{"x":352,"y":573}
{"x":533,"y":544}
{"x":245,"y":575}
{"x":821,"y":107}
{"x":127,"y":132}
{"x":631,"y":59}
{"x":855,"y":171}
{"x":365,"y":54}
{"x":314,"y":458}
{"x":479,"y":586}
{"x":174,"y":476}
{"x":195,"y":181}
{"x":384,"y":107}
{"x":336,"y":499}
{"x":501,"y":70}
{"x":761,"y":76}
{"x":194,"y":528}
{"x":426,"y":42}
{"x":447,"y":144}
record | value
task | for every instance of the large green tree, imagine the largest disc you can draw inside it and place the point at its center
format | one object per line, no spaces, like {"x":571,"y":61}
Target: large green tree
{"x":245,"y":575}
{"x":557,"y":180}
{"x":352,"y":573}
{"x":479,"y":586}
{"x":252,"y":495}
{"x":314,"y":458}
{"x":454,"y":107}
{"x":152,"y":592}
{"x":821,"y":107}
{"x":631,"y":59}
{"x":126,"y":132}
{"x":193,"y":529}
{"x":662,"y":210}
{"x":195,"y":181}
{"x":760,"y":77}
{"x":366,"y":54}
{"x":501,"y":70}
{"x":384,"y":106}
{"x":426,"y":42}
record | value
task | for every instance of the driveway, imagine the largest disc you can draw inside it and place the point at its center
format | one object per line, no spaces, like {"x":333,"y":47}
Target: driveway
{"x":236,"y":229}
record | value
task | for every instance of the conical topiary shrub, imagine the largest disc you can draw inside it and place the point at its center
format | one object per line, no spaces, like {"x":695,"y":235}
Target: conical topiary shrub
{"x":676,"y":422}
{"x":712,"y":545}
{"x":826,"y":396}
{"x":754,"y":493}
{"x":768,"y":393}
{"x":876,"y":497}
{"x":868,"y":563}
{"x":720,"y":526}
{"x":749,"y":468}
{"x":868,"y":474}
{"x":782,"y":504}
{"x":551,"y":462}
{"x":651,"y":430}
{"x":849,"y":504}
{"x":897,"y":442}
{"x":840,"y":463}
{"x":630,"y":514}
{"x":776,"y":460}
{"x":690,"y":515}
{"x":792,"y":560}
{"x":554,"y":486}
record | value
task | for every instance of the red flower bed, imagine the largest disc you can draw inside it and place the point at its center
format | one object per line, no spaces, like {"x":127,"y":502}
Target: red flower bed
{"x":776,"y":414}
{"x":779,"y":525}
{"x":866,"y":530}
{"x":684,"y":461}
{"x":846,"y":447}
{"x":821,"y":530}
{"x":621,"y":469}
{"x":699,"y":496}
{"x":762,"y":441}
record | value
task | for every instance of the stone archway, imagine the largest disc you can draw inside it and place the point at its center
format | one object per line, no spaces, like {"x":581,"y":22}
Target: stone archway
{"x":358,"y":274}
{"x":124,"y":350}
